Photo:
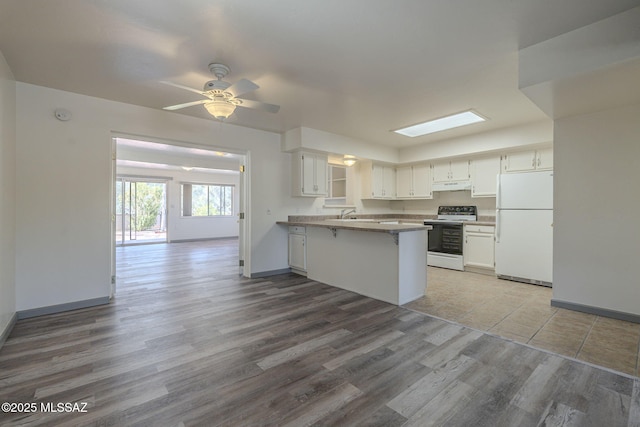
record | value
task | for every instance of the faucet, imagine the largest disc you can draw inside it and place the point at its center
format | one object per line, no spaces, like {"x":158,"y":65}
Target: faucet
{"x":344,"y":212}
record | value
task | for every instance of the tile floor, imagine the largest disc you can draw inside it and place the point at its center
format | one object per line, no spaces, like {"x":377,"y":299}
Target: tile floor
{"x":523,"y":313}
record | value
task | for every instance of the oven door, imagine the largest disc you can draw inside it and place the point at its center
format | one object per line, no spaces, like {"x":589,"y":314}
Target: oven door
{"x":445,"y":238}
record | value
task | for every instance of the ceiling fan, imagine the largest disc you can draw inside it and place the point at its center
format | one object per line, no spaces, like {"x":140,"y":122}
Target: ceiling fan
{"x":222,"y":97}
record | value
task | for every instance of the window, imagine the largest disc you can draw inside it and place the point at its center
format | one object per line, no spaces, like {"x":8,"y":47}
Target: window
{"x":207,"y":200}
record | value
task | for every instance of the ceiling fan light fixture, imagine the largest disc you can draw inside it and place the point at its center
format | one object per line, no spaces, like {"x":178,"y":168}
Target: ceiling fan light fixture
{"x":220,"y":109}
{"x":349,"y":160}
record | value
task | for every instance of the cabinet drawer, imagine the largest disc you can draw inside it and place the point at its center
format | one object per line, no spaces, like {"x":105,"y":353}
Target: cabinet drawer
{"x":488,"y":229}
{"x":296,"y":229}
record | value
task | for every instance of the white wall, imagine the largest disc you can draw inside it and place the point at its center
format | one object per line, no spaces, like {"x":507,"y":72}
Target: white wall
{"x":8,"y":192}
{"x":596,"y":206}
{"x":190,"y":228}
{"x":63,"y":189}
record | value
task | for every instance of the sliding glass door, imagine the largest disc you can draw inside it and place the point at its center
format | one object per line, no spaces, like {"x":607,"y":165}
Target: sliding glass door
{"x":140,"y":211}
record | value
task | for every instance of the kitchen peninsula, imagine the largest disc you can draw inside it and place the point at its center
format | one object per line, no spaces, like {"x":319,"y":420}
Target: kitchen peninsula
{"x":379,"y":258}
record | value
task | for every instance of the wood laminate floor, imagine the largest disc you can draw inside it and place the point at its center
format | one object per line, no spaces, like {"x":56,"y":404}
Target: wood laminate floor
{"x":187,"y":342}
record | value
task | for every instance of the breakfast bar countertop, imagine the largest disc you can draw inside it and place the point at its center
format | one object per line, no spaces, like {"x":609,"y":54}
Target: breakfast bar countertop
{"x":390,"y":225}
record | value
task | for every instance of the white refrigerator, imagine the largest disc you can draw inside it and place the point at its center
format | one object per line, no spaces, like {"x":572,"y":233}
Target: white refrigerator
{"x":524,"y":227}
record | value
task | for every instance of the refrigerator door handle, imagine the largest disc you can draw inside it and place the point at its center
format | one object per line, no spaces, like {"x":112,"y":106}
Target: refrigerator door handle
{"x":498,"y":226}
{"x":498,"y":205}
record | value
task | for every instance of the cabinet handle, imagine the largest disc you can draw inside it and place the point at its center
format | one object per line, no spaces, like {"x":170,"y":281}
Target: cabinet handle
{"x":533,"y":162}
{"x":538,"y":161}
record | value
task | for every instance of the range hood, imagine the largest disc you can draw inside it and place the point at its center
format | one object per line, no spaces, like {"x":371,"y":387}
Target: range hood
{"x":451,"y":186}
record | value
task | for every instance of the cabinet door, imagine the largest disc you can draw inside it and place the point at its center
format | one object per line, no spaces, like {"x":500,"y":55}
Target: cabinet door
{"x":421,"y":182}
{"x":404,"y":182}
{"x":459,"y":170}
{"x":389,"y":183}
{"x":377,"y":181}
{"x":544,"y":159}
{"x":479,"y":249}
{"x":441,"y":172}
{"x":321,"y":165}
{"x":484,"y":176}
{"x":308,"y":174}
{"x":297,"y":252}
{"x":519,"y":162}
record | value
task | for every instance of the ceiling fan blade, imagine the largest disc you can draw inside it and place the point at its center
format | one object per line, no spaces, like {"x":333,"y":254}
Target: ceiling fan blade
{"x":190,"y":89}
{"x":270,"y":108}
{"x":241,"y":86}
{"x":186,"y":104}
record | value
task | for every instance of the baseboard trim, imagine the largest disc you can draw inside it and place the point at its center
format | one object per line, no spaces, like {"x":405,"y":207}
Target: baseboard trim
{"x":620,"y":315}
{"x":270,"y":273}
{"x":480,"y":270}
{"x":7,"y":331}
{"x":59,"y":308}
{"x":202,"y":239}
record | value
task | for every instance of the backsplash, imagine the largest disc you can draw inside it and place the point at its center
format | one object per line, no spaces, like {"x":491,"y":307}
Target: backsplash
{"x":486,"y":205}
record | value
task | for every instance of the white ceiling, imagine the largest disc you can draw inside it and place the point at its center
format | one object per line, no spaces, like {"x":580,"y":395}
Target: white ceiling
{"x":156,"y":155}
{"x":358,"y":68}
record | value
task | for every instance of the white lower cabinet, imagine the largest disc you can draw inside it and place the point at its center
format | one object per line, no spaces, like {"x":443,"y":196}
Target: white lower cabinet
{"x":478,"y":249}
{"x":298,"y":249}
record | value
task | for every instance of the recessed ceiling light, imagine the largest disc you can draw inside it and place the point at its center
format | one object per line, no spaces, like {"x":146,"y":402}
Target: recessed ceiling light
{"x":444,"y":123}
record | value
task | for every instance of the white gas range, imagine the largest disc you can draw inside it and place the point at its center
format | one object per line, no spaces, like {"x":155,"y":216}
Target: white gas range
{"x":445,"y":239}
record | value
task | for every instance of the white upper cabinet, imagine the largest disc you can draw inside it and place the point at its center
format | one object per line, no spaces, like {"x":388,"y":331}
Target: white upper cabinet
{"x":525,"y":161}
{"x":441,"y":172}
{"x":309,"y":174}
{"x":460,"y":170}
{"x":484,"y":176}
{"x":422,"y":181}
{"x":413,"y":182}
{"x":404,"y":182}
{"x":378,"y":181}
{"x":544,"y":159}
{"x":454,"y":170}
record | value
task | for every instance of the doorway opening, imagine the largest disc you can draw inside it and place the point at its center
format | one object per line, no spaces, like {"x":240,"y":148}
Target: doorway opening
{"x":156,"y":194}
{"x":141,"y":211}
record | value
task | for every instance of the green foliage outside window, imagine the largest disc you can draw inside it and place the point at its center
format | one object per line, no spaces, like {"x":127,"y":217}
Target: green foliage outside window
{"x":207,"y":200}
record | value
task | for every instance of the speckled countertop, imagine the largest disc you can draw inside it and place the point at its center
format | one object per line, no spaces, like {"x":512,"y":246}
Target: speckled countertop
{"x":377,"y":224}
{"x":371,"y":222}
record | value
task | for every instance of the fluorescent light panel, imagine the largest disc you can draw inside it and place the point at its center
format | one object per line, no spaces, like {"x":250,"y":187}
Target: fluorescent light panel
{"x":444,"y":123}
